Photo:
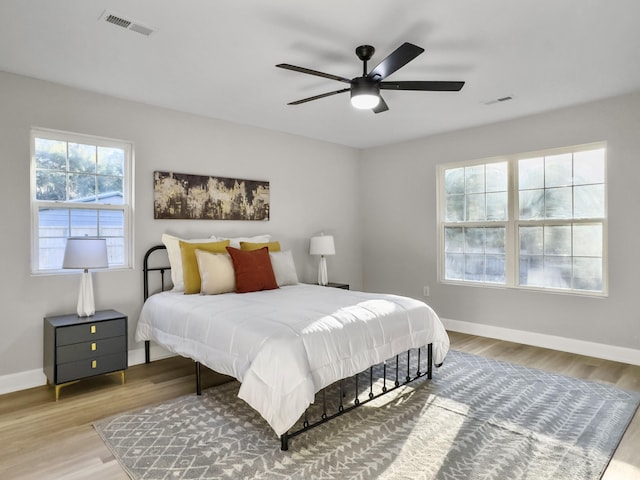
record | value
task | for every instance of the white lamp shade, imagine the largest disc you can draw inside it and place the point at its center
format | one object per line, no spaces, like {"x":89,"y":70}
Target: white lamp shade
{"x":322,"y":245}
{"x":85,"y":253}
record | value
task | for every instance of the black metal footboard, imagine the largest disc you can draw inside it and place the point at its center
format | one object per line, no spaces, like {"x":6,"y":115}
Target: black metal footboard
{"x":352,"y":393}
{"x":378,"y":383}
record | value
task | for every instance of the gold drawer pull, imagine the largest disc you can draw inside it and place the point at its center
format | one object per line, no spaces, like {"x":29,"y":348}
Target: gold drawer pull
{"x":94,"y":363}
{"x":94,"y":347}
{"x":93,"y":329}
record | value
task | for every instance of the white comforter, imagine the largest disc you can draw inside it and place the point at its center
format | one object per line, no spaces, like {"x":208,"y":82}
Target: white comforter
{"x":284,"y":345}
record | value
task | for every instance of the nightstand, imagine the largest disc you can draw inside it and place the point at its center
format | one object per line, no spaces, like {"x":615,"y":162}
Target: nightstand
{"x":344,"y":286}
{"x":80,"y":347}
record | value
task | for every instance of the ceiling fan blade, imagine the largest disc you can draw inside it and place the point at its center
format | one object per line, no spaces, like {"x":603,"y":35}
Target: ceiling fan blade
{"x":286,"y":66}
{"x":396,"y":60}
{"x":317,"y":97}
{"x":381,"y":107}
{"x":423,"y":86}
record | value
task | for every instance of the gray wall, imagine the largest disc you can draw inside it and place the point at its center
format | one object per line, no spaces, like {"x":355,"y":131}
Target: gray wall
{"x":314,"y":187}
{"x":399,"y":223}
{"x":379,"y":203}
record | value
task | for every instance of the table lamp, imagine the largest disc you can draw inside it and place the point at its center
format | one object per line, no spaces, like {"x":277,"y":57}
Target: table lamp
{"x":85,"y":253}
{"x":322,"y":245}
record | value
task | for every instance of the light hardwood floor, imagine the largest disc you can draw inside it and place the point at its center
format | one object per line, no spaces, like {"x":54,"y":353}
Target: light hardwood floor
{"x":44,"y":439}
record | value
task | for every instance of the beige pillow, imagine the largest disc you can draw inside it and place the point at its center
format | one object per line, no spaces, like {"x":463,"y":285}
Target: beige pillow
{"x":190,"y":271}
{"x":175,"y":258}
{"x":216,"y":273}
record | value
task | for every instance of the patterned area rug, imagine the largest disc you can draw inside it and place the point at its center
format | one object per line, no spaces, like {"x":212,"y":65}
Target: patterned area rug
{"x":477,"y":418}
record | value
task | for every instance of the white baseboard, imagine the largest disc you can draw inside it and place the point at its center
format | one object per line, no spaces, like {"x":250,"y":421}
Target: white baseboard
{"x":580,"y":347}
{"x":22,"y":380}
{"x":136,"y":357}
{"x":36,"y":378}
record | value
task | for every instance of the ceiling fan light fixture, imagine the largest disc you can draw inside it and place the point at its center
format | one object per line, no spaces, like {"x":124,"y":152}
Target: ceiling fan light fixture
{"x":365,"y":94}
{"x":365,"y":90}
{"x":365,"y":101}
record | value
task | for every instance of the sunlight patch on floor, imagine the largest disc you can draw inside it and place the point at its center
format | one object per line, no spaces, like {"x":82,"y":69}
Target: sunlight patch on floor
{"x":422,"y":434}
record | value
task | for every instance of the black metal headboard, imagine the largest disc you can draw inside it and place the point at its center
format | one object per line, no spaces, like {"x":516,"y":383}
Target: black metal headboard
{"x":146,"y":270}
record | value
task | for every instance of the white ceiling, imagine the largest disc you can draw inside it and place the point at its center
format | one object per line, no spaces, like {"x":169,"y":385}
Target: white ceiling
{"x":217,"y":57}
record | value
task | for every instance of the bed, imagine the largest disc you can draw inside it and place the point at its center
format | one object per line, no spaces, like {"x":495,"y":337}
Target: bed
{"x":287,"y":344}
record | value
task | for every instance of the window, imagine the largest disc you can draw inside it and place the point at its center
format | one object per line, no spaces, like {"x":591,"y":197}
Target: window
{"x":80,"y":186}
{"x":529,"y":221}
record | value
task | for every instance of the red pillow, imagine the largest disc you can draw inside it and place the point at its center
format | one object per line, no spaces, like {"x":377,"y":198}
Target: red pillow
{"x":253,"y":270}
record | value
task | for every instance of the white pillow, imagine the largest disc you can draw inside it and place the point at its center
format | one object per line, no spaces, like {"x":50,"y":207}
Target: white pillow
{"x":175,"y":257}
{"x":284,"y":268}
{"x":235,"y":241}
{"x":216,"y":273}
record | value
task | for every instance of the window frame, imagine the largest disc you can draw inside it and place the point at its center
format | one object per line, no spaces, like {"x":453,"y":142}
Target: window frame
{"x":513,"y":222}
{"x":126,"y":207}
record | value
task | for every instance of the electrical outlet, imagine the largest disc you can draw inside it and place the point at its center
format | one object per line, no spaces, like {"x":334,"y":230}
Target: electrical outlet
{"x":425,"y":291}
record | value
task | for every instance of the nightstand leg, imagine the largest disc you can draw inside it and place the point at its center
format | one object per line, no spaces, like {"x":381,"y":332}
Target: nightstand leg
{"x":60,"y":385}
{"x":122,"y":376}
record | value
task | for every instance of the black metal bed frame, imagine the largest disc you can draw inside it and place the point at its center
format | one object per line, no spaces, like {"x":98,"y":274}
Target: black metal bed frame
{"x":377,"y":387}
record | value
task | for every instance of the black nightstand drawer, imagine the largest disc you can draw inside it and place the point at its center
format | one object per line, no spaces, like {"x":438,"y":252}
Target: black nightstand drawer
{"x":89,"y":331}
{"x":91,"y":366}
{"x":80,"y":351}
{"x":80,"y":347}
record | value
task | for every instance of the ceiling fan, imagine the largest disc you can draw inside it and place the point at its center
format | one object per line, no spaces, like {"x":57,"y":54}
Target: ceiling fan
{"x":365,"y":90}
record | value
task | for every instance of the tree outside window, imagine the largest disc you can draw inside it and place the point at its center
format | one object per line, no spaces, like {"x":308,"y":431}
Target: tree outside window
{"x":80,"y":187}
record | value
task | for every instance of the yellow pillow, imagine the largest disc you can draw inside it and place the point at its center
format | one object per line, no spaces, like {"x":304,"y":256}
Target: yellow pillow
{"x":248,"y":246}
{"x":175,"y":257}
{"x":190,"y":272}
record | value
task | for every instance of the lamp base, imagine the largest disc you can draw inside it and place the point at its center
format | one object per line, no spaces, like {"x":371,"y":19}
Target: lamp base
{"x":323,"y":278}
{"x":86,"y":304}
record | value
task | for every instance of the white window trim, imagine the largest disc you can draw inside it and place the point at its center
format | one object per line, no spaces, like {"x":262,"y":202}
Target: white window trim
{"x":127,"y":206}
{"x":511,"y":264}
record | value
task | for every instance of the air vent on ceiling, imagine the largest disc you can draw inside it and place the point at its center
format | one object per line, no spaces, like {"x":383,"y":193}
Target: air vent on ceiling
{"x":132,"y":25}
{"x":498,"y":100}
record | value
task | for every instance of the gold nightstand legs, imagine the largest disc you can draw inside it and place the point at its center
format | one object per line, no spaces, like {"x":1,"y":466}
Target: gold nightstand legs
{"x":60,"y":385}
